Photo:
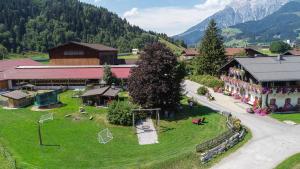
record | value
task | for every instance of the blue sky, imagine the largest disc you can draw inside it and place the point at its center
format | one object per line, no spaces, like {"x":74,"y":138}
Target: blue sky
{"x":166,"y":16}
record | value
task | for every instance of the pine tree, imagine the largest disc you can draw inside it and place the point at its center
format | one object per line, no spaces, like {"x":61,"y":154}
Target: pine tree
{"x":107,"y":74}
{"x":212,"y":51}
{"x":156,"y":82}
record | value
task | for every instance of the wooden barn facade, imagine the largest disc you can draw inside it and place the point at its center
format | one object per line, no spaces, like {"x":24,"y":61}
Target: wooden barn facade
{"x":75,"y":53}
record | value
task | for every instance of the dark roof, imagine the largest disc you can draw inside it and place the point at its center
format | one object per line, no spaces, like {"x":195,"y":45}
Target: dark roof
{"x":267,"y":69}
{"x":98,"y":47}
{"x":112,"y":92}
{"x":295,"y":52}
{"x":104,"y":91}
{"x":17,"y":94}
{"x":94,"y":92}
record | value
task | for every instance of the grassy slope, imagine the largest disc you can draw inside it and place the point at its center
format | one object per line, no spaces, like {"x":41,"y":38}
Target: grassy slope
{"x":282,"y":117}
{"x":268,"y":52}
{"x":41,"y":57}
{"x":177,"y":50}
{"x":78,"y":139}
{"x":292,"y":162}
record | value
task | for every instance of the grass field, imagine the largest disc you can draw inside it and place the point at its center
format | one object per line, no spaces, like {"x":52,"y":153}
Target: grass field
{"x":282,"y":117}
{"x":38,"y":56}
{"x":3,"y":163}
{"x":268,"y":52}
{"x":292,"y":162}
{"x":129,"y":57}
{"x":191,"y":160}
{"x":79,"y":147}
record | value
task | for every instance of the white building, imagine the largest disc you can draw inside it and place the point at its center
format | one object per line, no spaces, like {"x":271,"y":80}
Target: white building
{"x":272,"y":82}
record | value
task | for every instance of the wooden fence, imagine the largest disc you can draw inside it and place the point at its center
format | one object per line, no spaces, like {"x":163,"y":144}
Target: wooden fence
{"x":231,"y":133}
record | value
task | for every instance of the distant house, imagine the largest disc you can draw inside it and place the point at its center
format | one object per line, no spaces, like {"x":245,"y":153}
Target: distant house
{"x":233,"y":52}
{"x":295,"y":52}
{"x":189,"y":54}
{"x":135,"y":51}
{"x":264,"y":81}
{"x":18,"y":99}
{"x":76,"y":53}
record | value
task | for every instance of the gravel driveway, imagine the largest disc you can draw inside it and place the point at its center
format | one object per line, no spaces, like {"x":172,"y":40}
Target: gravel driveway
{"x":272,"y":141}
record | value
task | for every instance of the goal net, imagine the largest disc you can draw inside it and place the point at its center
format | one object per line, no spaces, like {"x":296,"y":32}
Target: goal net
{"x":105,"y":136}
{"x":46,"y":117}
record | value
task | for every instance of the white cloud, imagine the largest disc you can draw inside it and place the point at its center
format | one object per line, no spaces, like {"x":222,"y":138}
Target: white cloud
{"x":173,"y":20}
{"x":131,"y":13}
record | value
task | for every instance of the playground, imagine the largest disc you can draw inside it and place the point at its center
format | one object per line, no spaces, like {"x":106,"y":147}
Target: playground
{"x":79,"y":146}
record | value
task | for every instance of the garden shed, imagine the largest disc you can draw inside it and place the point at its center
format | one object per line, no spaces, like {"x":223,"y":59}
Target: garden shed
{"x":100,"y":96}
{"x":46,"y":99}
{"x":17,"y":99}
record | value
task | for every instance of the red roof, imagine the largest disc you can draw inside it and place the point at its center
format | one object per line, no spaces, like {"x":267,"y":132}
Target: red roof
{"x":190,"y":52}
{"x":28,"y":69}
{"x":295,"y":52}
{"x":65,"y":73}
{"x":234,"y":51}
{"x":6,"y":65}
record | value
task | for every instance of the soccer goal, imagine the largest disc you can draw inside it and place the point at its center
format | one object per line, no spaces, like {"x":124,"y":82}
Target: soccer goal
{"x":46,"y":117}
{"x":105,"y":136}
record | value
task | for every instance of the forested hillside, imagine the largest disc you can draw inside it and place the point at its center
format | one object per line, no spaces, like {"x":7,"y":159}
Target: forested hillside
{"x":41,"y":24}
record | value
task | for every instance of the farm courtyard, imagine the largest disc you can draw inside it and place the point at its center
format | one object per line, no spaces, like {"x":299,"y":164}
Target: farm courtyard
{"x":79,"y":146}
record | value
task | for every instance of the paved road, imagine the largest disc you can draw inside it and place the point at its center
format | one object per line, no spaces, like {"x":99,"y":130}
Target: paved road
{"x":272,"y":141}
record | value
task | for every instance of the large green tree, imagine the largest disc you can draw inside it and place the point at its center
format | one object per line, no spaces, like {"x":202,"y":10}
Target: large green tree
{"x":156,"y":82}
{"x":212,"y":51}
{"x":279,"y":47}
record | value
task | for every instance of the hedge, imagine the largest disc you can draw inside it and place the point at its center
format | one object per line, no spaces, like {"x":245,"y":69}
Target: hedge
{"x":202,"y":90}
{"x":120,"y":113}
{"x":207,"y":80}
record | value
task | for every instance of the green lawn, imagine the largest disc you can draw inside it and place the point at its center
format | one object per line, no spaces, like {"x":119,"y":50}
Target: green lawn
{"x":79,"y":147}
{"x":3,"y":163}
{"x":282,"y":117}
{"x":191,"y":160}
{"x":292,"y":162}
{"x":268,"y":52}
{"x":38,"y":56}
{"x":129,"y":57}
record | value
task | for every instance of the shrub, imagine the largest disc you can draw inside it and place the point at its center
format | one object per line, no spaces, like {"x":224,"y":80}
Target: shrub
{"x":207,"y":80}
{"x":202,"y":90}
{"x":120,"y":113}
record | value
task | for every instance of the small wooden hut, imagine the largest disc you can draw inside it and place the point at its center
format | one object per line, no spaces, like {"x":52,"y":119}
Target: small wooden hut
{"x":100,"y":96}
{"x":18,"y":99}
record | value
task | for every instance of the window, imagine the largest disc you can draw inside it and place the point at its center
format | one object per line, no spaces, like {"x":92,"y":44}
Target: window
{"x":298,"y":101}
{"x":73,"y":53}
{"x":273,"y":102}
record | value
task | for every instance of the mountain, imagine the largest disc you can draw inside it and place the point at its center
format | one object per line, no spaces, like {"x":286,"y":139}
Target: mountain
{"x":282,"y":24}
{"x":42,"y":24}
{"x":238,"y":11}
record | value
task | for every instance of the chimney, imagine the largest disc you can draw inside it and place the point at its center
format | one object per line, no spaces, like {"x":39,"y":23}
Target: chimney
{"x":280,"y":58}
